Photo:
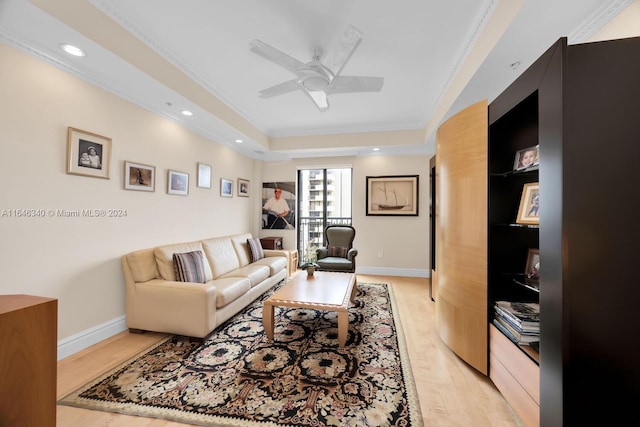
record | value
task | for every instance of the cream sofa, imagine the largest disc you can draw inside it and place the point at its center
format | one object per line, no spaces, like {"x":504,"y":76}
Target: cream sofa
{"x":155,"y":301}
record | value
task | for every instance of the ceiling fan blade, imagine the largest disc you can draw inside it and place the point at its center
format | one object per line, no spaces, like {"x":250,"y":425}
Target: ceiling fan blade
{"x":350,"y":84}
{"x":344,"y":49}
{"x":276,"y":56}
{"x":279,"y":89}
{"x":319,"y":97}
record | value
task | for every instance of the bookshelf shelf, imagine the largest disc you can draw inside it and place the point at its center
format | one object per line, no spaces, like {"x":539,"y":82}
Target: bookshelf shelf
{"x":578,"y":104}
{"x":584,"y":236}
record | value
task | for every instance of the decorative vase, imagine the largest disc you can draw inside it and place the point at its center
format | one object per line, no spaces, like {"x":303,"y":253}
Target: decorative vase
{"x":310,"y":271}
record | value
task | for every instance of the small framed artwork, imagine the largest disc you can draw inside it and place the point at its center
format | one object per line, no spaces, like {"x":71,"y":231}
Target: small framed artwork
{"x":177,"y":183}
{"x":526,"y":158}
{"x":139,"y":177}
{"x":226,"y":187}
{"x":88,"y":154}
{"x":243,"y":187}
{"x":532,"y":270}
{"x":204,"y":175}
{"x":529,"y":211}
{"x":392,"y":195}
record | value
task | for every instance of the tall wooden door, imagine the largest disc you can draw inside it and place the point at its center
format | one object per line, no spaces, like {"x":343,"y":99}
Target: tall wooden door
{"x":461,"y":234}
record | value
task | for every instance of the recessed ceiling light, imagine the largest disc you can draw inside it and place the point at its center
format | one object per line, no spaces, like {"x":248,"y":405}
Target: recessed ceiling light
{"x":186,"y":113}
{"x":376,"y":149}
{"x":239,"y":141}
{"x":72,"y":50}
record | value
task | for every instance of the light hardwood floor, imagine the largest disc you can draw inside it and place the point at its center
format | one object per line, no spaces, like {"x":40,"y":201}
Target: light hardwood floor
{"x":451,"y":393}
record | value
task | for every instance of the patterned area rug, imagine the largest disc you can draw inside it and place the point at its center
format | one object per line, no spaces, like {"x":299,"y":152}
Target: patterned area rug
{"x":237,"y":377}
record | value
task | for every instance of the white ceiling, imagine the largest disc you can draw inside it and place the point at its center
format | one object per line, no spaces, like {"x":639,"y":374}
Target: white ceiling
{"x":436,"y":57}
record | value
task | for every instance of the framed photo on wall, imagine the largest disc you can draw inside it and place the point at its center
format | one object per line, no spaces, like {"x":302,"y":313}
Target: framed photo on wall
{"x":279,"y":205}
{"x":88,"y":154}
{"x":139,"y":177}
{"x":393,"y":195}
{"x":527,"y":158}
{"x":243,"y":187}
{"x":178,"y":183}
{"x":204,"y":175}
{"x":529,"y":211}
{"x":226,"y":187}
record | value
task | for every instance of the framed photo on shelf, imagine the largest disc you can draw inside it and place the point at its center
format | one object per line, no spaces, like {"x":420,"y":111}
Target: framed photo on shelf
{"x":139,"y":177}
{"x":527,"y":157}
{"x":243,"y":187}
{"x":88,"y":154}
{"x":532,"y":270}
{"x":394,"y":195}
{"x":226,"y":187}
{"x":178,"y":183}
{"x":529,"y":211}
{"x":204,"y":175}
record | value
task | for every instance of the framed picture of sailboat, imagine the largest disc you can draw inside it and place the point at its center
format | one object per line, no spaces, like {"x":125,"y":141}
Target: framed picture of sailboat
{"x":393,"y":195}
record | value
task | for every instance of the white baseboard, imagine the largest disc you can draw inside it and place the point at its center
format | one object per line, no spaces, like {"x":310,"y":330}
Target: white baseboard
{"x":89,"y":337}
{"x":377,"y":271}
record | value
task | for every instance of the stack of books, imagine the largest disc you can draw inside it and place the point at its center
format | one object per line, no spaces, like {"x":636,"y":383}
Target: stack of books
{"x":519,"y":321}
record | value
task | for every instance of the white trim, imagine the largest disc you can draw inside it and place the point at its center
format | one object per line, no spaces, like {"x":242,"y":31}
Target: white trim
{"x":400,"y":272}
{"x":91,"y":336}
{"x":331,"y":166}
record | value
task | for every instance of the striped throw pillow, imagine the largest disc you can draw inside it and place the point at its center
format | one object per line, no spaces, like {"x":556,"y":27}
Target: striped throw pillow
{"x":255,"y":249}
{"x":189,"y":267}
{"x":339,"y":251}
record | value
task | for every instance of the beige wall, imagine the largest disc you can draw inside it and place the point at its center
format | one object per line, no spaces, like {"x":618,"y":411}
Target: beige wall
{"x":77,"y":259}
{"x":403,"y":241}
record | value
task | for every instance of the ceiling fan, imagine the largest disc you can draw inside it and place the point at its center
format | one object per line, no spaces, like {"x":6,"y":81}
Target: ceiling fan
{"x":319,"y":79}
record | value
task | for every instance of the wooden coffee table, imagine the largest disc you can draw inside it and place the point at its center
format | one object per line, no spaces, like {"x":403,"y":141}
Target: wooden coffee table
{"x":323,"y":291}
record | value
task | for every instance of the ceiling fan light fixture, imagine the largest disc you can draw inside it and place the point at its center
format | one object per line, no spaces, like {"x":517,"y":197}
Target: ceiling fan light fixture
{"x":315,"y":83}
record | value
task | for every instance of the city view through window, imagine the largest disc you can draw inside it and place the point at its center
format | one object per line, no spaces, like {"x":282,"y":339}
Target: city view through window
{"x":324,"y":198}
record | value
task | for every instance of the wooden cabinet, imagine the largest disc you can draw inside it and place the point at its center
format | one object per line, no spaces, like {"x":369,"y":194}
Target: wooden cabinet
{"x":580,"y":104}
{"x":271,"y":242}
{"x":28,"y":360}
{"x":516,"y":376}
{"x":461,"y":235}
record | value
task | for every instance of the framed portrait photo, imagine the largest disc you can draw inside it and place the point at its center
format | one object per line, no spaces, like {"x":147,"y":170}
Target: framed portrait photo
{"x":88,"y":154}
{"x":226,"y":187}
{"x":139,"y":177}
{"x":177,"y":183}
{"x":529,"y":211}
{"x":527,"y":158}
{"x":532,"y":270}
{"x":243,"y":187}
{"x":392,"y":195}
{"x":204,"y":175}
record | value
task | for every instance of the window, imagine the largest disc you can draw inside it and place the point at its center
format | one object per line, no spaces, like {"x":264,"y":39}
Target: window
{"x":324,"y":198}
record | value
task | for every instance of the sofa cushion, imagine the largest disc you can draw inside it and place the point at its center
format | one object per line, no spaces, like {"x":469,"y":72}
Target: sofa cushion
{"x":143,"y":266}
{"x":229,"y":289}
{"x":164,"y":259}
{"x":339,"y":251}
{"x":221,"y":255}
{"x":189,"y":267}
{"x":255,"y":249}
{"x":255,"y":273}
{"x":275,"y":263}
{"x":242,"y":247}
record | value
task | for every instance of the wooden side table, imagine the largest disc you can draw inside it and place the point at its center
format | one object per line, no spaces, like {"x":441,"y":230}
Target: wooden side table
{"x":271,"y":242}
{"x":28,"y":360}
{"x":293,"y":260}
